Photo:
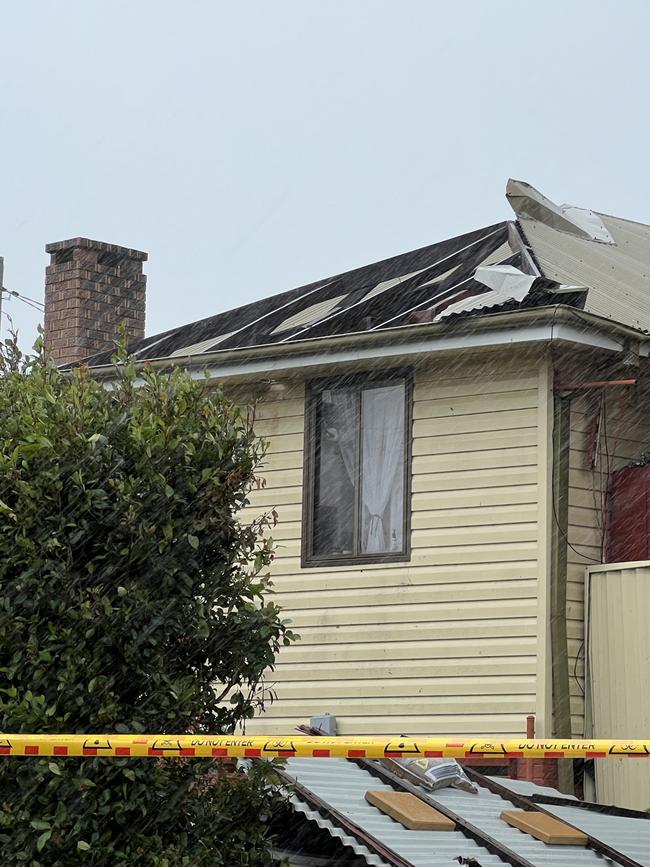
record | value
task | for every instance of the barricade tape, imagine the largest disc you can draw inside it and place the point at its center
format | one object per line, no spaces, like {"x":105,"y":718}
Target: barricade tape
{"x":287,"y":746}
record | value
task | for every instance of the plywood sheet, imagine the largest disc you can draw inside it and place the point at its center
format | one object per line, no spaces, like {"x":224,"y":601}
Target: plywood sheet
{"x":544,"y":828}
{"x":409,"y":811}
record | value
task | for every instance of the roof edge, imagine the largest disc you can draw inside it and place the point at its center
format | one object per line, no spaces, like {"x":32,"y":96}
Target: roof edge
{"x":400,"y":336}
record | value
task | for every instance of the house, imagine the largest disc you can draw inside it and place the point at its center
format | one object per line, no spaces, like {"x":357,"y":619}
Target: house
{"x":442,"y":428}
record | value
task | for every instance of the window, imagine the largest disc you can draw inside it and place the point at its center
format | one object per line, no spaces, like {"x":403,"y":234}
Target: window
{"x":357,"y":470}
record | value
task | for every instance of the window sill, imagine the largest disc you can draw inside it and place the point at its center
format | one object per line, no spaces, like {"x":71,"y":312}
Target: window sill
{"x":330,"y":562}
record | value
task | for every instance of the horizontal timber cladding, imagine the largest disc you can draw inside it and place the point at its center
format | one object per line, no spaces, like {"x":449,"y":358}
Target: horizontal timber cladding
{"x":623,"y":436}
{"x":446,"y":642}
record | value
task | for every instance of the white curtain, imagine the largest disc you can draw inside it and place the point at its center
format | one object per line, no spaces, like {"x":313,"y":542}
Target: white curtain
{"x":382,"y":465}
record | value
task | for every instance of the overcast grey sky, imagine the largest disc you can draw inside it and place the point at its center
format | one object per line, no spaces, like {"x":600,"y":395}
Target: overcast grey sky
{"x":251,"y":147}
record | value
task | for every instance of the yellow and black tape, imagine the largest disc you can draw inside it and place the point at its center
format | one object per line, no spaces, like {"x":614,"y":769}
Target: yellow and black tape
{"x":301,"y":746}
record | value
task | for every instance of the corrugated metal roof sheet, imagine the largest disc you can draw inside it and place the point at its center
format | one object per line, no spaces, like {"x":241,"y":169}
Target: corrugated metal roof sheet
{"x":631,"y":837}
{"x":197,"y":348}
{"x":484,"y":810}
{"x":618,"y":276}
{"x":571,"y":246}
{"x":617,"y":653}
{"x":374,"y":296}
{"x":343,"y":784}
{"x":312,"y":313}
{"x":334,"y":831}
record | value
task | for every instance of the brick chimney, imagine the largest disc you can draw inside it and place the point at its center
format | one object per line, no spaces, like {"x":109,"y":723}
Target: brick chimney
{"x":90,"y":289}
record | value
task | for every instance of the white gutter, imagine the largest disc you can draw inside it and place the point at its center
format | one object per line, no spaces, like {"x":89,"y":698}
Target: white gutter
{"x":501,"y":337}
{"x":542,"y":324}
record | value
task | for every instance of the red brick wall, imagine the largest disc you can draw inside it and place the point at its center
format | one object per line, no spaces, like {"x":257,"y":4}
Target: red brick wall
{"x":90,"y":289}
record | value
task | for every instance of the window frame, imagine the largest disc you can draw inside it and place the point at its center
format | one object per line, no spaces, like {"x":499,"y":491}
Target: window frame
{"x":312,"y":391}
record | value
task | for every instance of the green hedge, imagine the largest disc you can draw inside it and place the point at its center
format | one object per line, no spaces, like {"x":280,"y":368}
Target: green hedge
{"x":128,"y":588}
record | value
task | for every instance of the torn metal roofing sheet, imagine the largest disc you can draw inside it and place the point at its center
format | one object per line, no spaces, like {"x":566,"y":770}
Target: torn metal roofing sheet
{"x":561,"y":244}
{"x":617,"y":272}
{"x":529,"y":203}
{"x":505,"y":283}
{"x":371,"y":298}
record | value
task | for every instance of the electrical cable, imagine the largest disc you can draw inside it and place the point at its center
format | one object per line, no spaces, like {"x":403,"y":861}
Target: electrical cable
{"x":563,"y":532}
{"x":37,"y":305}
{"x":575,"y":667}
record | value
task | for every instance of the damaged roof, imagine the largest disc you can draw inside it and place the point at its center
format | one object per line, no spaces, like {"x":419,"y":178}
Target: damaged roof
{"x":551,"y":254}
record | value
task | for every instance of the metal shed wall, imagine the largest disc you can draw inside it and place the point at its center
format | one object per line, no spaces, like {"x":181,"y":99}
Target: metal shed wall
{"x":450,"y":641}
{"x":618,"y":658}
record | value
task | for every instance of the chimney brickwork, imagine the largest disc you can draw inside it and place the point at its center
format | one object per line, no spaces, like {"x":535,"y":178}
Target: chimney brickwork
{"x":91,"y":288}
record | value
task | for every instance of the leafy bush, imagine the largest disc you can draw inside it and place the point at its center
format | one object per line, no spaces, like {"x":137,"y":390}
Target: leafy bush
{"x":129,"y":586}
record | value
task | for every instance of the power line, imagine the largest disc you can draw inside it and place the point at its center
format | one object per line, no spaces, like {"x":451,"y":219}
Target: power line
{"x":31,"y":301}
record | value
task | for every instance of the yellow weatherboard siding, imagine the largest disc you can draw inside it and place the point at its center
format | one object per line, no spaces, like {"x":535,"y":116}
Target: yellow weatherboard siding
{"x":624,"y":436}
{"x":444,"y":643}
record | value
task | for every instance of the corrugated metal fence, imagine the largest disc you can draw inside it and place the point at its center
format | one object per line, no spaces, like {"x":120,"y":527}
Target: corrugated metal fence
{"x":617,"y":643}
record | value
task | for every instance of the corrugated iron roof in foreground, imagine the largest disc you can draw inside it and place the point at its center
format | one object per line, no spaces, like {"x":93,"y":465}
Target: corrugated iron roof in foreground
{"x":343,"y":784}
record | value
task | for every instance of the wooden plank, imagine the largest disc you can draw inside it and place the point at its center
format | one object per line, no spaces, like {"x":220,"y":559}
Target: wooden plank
{"x":494,"y":364}
{"x":270,"y":427}
{"x":503,"y":725}
{"x":409,"y":811}
{"x":434,"y":443}
{"x":290,"y":534}
{"x":273,"y":409}
{"x":460,"y":406}
{"x":285,"y":442}
{"x":507,"y":457}
{"x":543,"y":827}
{"x":480,"y":421}
{"x":398,"y":687}
{"x":476,"y":535}
{"x":484,"y":502}
{"x":407,"y":613}
{"x":585,"y":537}
{"x":308,"y":580}
{"x":580,"y":516}
{"x":468,"y":599}
{"x":279,"y":462}
{"x":385,"y":669}
{"x":276,"y":479}
{"x":463,"y":479}
{"x":367,"y":705}
{"x":264,"y":498}
{"x":288,"y":554}
{"x":474,"y":517}
{"x":429,"y":631}
{"x":409,"y":650}
{"x":474,"y":497}
{"x":427,"y":389}
{"x":585,"y":499}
